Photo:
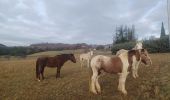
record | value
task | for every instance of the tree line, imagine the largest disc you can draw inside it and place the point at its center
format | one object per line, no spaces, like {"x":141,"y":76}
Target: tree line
{"x":125,"y":38}
{"x":17,"y":51}
{"x":124,"y":34}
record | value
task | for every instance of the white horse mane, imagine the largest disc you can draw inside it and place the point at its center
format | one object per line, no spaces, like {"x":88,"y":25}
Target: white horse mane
{"x":138,"y":45}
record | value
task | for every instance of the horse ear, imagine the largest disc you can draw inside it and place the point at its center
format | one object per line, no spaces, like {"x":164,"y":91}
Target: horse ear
{"x":141,"y":41}
{"x":142,"y":49}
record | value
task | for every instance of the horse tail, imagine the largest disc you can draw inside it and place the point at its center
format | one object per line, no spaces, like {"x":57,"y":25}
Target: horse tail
{"x":37,"y":68}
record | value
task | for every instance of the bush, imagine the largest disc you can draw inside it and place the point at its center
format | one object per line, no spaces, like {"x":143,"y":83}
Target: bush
{"x":153,"y":46}
{"x":157,"y":46}
{"x":100,"y":47}
{"x":127,"y":46}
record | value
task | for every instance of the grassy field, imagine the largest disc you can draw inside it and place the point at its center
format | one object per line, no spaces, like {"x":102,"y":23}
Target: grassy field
{"x":18,"y":82}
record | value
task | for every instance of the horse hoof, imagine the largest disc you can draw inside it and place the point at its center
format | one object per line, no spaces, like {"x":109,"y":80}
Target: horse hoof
{"x":99,"y":92}
{"x":134,"y":77}
{"x":137,"y":75}
{"x":124,"y":92}
{"x":94,"y":92}
{"x":38,"y":80}
{"x":58,"y":77}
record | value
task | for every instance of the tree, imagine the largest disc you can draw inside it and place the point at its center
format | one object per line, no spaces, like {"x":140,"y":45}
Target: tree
{"x":124,"y":34}
{"x":162,"y":31}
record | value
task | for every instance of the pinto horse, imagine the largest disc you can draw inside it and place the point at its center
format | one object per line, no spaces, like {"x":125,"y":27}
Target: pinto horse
{"x":138,"y":45}
{"x":56,"y":61}
{"x":120,"y":65}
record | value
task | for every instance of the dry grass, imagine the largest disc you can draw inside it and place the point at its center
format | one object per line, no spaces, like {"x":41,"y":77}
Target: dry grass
{"x":17,"y":81}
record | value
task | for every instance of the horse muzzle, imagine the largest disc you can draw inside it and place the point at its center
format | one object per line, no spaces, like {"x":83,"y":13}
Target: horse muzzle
{"x":149,"y":63}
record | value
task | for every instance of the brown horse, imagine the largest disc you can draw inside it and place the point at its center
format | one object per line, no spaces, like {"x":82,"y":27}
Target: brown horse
{"x":56,"y":61}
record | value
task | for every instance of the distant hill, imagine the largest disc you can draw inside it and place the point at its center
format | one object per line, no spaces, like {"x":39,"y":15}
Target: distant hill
{"x":63,"y":46}
{"x":59,"y":46}
{"x":1,"y":45}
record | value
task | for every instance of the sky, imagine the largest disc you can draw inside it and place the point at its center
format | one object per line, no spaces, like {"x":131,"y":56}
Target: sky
{"x":25,"y":22}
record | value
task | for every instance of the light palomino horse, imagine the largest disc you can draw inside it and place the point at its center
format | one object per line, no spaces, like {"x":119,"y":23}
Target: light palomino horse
{"x":86,"y":57}
{"x":138,"y":45}
{"x":120,"y":65}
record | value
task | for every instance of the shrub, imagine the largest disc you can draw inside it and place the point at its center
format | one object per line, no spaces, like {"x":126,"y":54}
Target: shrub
{"x":127,"y":46}
{"x":153,"y":46}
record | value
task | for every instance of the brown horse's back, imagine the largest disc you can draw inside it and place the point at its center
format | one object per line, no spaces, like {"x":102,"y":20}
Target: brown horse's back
{"x":48,"y":61}
{"x":53,"y":62}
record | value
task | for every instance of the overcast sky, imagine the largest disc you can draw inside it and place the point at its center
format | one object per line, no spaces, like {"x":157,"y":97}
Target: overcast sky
{"x":24,"y":22}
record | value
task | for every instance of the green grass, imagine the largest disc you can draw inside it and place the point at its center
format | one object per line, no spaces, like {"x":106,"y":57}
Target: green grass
{"x":18,"y":82}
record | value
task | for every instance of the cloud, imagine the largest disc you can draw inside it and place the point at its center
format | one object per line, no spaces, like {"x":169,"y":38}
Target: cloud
{"x":24,"y":22}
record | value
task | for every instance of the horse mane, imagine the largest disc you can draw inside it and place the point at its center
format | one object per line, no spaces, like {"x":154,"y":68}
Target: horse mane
{"x":132,"y":53}
{"x":135,"y":53}
{"x":64,"y":54}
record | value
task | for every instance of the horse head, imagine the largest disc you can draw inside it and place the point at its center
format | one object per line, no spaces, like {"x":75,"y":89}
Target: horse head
{"x":91,"y":53}
{"x":72,"y":58}
{"x":138,"y":45}
{"x":145,"y":57}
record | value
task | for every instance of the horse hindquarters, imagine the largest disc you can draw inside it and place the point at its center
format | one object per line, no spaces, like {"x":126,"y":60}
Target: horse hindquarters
{"x":40,"y":69}
{"x":95,"y":87}
{"x":93,"y":82}
{"x":37,"y":70}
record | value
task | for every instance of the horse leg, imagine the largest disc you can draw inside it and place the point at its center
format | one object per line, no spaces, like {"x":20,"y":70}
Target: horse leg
{"x":88,"y":63}
{"x":122,"y":80}
{"x":81,"y":62}
{"x":58,"y":72}
{"x":119,"y":85}
{"x":97,"y":83}
{"x":93,"y":81}
{"x":136,"y":72}
{"x":39,"y":72}
{"x":42,"y":73}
